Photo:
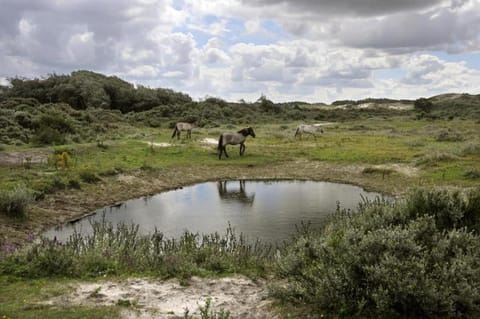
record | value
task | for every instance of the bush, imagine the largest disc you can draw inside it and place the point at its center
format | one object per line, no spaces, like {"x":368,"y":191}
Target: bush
{"x":15,"y":203}
{"x":89,"y":177}
{"x":417,"y":258}
{"x":48,"y":136}
{"x":24,"y":119}
{"x":423,"y":105}
{"x":448,"y":135}
{"x":472,"y":173}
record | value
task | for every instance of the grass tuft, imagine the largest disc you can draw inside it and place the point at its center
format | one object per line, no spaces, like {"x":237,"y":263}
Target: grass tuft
{"x":15,"y":203}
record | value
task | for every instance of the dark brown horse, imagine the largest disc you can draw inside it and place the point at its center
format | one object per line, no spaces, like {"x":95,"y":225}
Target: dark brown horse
{"x":234,"y":139}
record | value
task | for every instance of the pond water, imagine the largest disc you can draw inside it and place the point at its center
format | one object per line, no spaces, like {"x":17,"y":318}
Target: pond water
{"x":268,"y":210}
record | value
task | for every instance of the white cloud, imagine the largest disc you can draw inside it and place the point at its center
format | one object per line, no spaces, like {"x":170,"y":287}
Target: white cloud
{"x":302,"y":49}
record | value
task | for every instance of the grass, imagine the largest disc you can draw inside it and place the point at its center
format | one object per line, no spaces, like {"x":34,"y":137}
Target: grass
{"x":14,"y":203}
{"x":27,"y":299}
{"x":120,"y":249}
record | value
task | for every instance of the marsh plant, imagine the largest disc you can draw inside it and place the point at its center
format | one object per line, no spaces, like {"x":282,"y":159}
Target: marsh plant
{"x":120,"y":249}
{"x":417,"y":258}
{"x":15,"y":203}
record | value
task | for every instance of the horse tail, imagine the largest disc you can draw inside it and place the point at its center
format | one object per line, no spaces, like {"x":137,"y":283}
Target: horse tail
{"x":174,"y":131}
{"x":220,"y":142}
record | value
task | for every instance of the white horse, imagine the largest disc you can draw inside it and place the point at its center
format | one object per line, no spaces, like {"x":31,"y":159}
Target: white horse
{"x":312,"y":129}
{"x":234,"y":139}
{"x":181,"y":126}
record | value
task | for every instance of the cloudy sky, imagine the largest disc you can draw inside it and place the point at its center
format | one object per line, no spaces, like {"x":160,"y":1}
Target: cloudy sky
{"x":309,"y":50}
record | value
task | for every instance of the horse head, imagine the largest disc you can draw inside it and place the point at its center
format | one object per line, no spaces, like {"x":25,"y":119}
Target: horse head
{"x":251,"y":132}
{"x":247,"y":131}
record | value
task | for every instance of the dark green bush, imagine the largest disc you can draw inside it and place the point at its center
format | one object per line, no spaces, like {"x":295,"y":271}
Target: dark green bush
{"x":24,"y":119}
{"x":49,"y":136}
{"x":418,"y":258}
{"x":89,"y":177}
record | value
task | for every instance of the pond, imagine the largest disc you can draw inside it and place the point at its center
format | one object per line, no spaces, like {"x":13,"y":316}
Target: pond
{"x":268,"y":210}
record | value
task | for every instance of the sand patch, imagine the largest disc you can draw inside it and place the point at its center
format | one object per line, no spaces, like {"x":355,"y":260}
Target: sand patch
{"x":23,"y":157}
{"x":404,"y":169}
{"x":209,"y":140}
{"x":158,"y":144}
{"x":149,"y":298}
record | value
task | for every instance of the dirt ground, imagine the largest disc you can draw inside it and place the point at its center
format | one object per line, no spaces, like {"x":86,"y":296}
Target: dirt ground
{"x":149,"y":298}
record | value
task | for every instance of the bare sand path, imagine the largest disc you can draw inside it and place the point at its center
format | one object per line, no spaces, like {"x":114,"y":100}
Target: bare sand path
{"x":150,"y":298}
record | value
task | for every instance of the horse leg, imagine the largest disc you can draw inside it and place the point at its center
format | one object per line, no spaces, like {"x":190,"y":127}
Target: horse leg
{"x":242,"y":149}
{"x":225,"y":150}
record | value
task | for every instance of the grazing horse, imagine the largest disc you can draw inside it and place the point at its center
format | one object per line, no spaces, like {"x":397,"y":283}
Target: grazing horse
{"x":181,"y":126}
{"x":234,"y":139}
{"x":308,"y":129}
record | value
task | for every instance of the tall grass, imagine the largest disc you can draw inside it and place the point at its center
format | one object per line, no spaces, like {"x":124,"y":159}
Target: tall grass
{"x":417,"y":258}
{"x":120,"y":249}
{"x":14,"y":203}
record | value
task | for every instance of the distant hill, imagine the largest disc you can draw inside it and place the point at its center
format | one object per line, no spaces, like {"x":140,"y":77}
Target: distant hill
{"x":452,"y":105}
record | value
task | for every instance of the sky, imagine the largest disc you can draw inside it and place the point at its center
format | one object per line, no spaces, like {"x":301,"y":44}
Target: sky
{"x":286,"y":50}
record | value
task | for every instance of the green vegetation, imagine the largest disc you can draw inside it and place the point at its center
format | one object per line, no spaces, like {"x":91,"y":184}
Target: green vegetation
{"x":89,"y":140}
{"x":119,"y":249}
{"x":14,"y":203}
{"x":417,"y":258}
{"x":25,"y":299}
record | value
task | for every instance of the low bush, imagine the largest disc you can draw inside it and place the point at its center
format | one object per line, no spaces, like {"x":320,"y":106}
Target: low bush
{"x":433,"y":157}
{"x":472,"y":173}
{"x":14,"y":203}
{"x":89,"y":177}
{"x":472,"y":148}
{"x":417,"y":258}
{"x":449,"y":135}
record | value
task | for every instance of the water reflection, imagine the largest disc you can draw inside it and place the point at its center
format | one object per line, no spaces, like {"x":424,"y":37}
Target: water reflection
{"x":235,"y":194}
{"x":268,"y":210}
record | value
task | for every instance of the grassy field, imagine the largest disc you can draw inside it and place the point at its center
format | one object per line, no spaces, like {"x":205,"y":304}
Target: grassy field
{"x":389,"y":155}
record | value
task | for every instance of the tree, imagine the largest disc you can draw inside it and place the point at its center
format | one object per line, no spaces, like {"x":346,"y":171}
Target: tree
{"x":423,"y":105}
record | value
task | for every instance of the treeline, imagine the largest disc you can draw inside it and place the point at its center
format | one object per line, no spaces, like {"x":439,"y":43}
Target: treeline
{"x":370,"y":100}
{"x":85,"y":89}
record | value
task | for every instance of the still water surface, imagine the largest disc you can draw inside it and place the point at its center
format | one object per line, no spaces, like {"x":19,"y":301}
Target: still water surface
{"x":259,"y":209}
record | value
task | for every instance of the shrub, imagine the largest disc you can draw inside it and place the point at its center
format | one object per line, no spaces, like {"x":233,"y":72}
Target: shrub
{"x":433,"y":157}
{"x":448,"y":135}
{"x":423,"y":105}
{"x":472,"y":173}
{"x":419,"y":258}
{"x":24,"y":119}
{"x":14,"y":203}
{"x":471,"y":149}
{"x":89,"y":177}
{"x":48,"y":136}
{"x":51,"y":128}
